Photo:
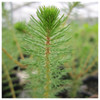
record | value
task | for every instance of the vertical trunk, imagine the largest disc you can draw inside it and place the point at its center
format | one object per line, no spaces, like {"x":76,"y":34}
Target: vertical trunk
{"x":47,"y":85}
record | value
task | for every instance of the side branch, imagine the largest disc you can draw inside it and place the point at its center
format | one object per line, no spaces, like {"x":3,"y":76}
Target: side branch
{"x":10,"y":81}
{"x":11,"y":58}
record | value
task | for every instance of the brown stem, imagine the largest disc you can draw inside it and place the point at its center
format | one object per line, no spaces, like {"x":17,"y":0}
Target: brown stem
{"x":19,"y":49}
{"x":87,"y":60}
{"x":10,"y":81}
{"x":47,"y":88}
{"x":67,"y":17}
{"x":89,"y":67}
{"x":69,"y":12}
{"x":14,"y":37}
{"x":11,"y":58}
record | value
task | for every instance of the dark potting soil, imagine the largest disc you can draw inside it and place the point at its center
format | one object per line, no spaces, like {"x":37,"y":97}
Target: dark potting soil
{"x":62,"y":94}
{"x":91,"y":82}
{"x":19,"y":58}
{"x":6,"y":93}
{"x":25,"y":56}
{"x":15,"y":81}
{"x":83,"y":94}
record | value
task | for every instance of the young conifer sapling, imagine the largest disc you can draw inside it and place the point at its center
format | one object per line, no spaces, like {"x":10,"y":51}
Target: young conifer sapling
{"x":46,"y":42}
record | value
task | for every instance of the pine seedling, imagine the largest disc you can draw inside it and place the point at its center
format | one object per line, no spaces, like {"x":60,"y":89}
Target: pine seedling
{"x":46,"y":42}
{"x":20,"y":26}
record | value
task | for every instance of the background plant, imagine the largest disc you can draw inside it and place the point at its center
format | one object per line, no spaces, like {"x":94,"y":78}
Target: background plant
{"x":86,"y":61}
